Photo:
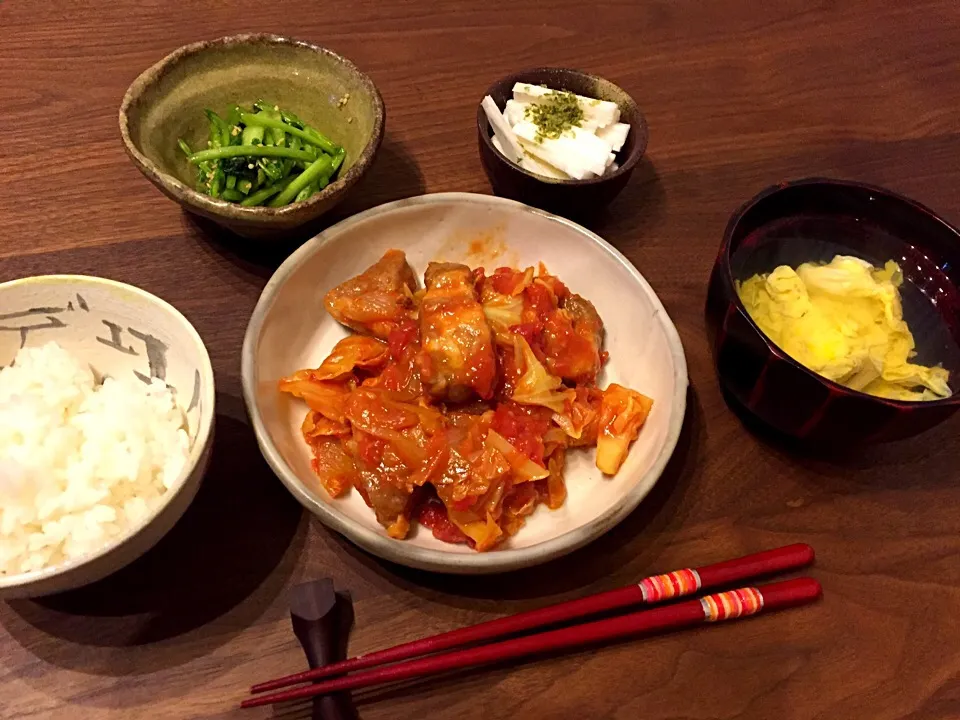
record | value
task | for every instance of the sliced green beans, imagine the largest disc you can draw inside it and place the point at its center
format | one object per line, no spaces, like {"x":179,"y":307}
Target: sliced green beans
{"x":263,"y":155}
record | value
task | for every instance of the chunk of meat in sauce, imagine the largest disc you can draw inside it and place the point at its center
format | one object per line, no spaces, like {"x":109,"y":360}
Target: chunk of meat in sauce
{"x":379,"y":299}
{"x":381,"y":481}
{"x":459,"y":472}
{"x":520,"y":503}
{"x":563,"y":329}
{"x":571,"y":341}
{"x":585,"y":317}
{"x":335,"y":469}
{"x":389,"y":502}
{"x":457,"y":359}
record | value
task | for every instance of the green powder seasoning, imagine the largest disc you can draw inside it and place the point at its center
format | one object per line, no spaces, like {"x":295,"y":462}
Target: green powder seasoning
{"x":560,"y":112}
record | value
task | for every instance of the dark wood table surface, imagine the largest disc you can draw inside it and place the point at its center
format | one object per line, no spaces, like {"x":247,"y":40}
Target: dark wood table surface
{"x":738,"y":95}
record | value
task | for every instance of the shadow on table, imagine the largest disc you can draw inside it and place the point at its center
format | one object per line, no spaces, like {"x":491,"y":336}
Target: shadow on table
{"x":393,"y":176}
{"x":456,"y":683}
{"x":231,"y":552}
{"x":636,"y":212}
{"x":848,"y":468}
{"x":624,"y":551}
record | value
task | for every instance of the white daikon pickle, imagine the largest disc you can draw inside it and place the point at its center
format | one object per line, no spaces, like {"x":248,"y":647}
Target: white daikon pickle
{"x":531,"y":163}
{"x":576,"y":152}
{"x":515,"y":112}
{"x":509,"y":146}
{"x":599,"y":113}
{"x":614,"y":135}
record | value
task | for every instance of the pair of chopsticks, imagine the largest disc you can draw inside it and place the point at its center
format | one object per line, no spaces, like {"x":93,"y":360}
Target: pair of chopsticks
{"x":727,"y":605}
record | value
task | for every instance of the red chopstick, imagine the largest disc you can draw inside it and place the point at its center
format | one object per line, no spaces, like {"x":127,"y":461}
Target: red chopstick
{"x":649,"y":591}
{"x":727,"y":605}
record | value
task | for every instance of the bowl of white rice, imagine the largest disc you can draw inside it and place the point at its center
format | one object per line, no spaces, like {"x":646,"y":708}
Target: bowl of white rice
{"x":106,"y":419}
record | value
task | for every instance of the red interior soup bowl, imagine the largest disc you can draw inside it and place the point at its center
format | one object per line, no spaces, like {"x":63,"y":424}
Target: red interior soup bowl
{"x":813,"y":220}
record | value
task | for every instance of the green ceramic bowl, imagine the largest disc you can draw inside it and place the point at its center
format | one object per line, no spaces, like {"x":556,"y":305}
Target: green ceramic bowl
{"x":327,"y":91}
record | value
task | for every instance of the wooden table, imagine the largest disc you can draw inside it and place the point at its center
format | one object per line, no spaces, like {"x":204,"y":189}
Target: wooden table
{"x":738,"y":95}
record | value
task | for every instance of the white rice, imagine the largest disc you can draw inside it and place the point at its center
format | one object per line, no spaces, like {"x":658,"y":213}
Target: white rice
{"x":81,"y":462}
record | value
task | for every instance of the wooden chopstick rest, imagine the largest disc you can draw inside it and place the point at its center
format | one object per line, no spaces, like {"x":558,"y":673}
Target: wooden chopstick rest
{"x":321,"y":619}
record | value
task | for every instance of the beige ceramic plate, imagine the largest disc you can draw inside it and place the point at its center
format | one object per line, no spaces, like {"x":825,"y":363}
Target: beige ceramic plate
{"x":290,"y":330}
{"x":118,"y":329}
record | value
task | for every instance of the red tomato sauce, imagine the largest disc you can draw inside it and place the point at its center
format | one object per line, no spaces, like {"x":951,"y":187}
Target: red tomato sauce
{"x":433,"y":515}
{"x":506,"y":280}
{"x":523,"y":427}
{"x":402,"y":336}
{"x":539,"y":300}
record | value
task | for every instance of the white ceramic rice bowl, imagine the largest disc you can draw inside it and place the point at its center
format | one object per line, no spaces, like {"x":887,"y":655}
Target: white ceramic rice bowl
{"x":117,"y":329}
{"x":290,"y":330}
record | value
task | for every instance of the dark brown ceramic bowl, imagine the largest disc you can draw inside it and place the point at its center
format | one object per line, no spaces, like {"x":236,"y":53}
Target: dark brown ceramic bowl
{"x":814,"y":220}
{"x":564,"y":197}
{"x":167,"y":102}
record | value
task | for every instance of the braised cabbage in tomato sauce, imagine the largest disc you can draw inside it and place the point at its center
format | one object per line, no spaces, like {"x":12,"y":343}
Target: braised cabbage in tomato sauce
{"x":454,"y":406}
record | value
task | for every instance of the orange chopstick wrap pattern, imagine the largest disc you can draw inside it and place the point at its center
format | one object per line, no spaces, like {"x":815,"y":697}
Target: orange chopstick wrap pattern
{"x":673,"y":584}
{"x":732,"y":604}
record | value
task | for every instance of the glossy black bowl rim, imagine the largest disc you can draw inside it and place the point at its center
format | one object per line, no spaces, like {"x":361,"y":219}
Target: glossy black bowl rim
{"x":772,"y":346}
{"x":483,"y":125}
